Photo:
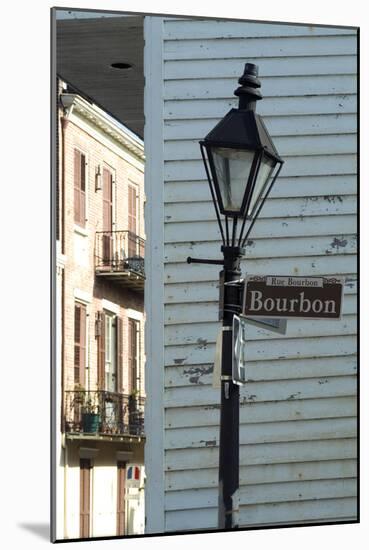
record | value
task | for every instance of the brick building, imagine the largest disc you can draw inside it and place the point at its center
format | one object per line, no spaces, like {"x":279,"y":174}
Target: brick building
{"x":100,"y":323}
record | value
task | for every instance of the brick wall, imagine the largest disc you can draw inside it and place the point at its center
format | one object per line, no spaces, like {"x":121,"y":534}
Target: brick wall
{"x":79,"y":246}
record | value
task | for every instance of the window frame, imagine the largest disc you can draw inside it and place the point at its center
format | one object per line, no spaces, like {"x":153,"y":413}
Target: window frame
{"x":81,"y":222}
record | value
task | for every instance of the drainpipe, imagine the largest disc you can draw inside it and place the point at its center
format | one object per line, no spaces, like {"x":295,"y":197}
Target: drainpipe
{"x":64,"y":123}
{"x":65,"y":488}
{"x":64,"y":120}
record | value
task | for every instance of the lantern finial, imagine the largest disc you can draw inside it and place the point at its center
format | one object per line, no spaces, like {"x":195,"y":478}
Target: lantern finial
{"x":248,"y":92}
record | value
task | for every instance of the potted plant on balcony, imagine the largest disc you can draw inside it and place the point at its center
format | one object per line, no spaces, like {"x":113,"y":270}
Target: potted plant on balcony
{"x":135,"y":414}
{"x":79,"y":394}
{"x":90,"y":415}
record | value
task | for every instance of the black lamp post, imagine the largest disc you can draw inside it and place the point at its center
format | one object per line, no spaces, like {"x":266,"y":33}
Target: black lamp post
{"x":242,"y":165}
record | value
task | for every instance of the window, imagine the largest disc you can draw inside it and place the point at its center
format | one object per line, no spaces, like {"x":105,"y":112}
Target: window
{"x":110,"y":353}
{"x":79,"y":188}
{"x":79,"y":343}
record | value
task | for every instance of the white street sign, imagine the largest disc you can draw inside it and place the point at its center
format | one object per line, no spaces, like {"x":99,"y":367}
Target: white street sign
{"x":239,"y":359}
{"x":275,"y":325}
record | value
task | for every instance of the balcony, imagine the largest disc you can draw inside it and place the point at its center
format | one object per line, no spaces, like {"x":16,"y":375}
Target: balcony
{"x":119,"y":257}
{"x":103,"y":414}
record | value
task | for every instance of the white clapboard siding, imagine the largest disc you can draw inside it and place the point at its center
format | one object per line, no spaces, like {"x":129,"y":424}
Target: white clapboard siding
{"x":287,"y":106}
{"x":333,"y":124}
{"x":268,"y":474}
{"x":296,"y":145}
{"x":303,"y":409}
{"x":268,"y":453}
{"x":254,"y":47}
{"x":295,"y":166}
{"x":298,"y":410}
{"x":273,"y":208}
{"x":285,"y":369}
{"x":267,"y":391}
{"x":176,"y":29}
{"x":312,"y":266}
{"x":277,"y":66}
{"x":180,"y":191}
{"x":286,"y":347}
{"x":204,"y":334}
{"x":270,"y":432}
{"x":261,"y":494}
{"x":275,"y":514}
{"x":208,"y":292}
{"x":266,"y":248}
{"x":177,"y":232}
{"x":272,"y":87}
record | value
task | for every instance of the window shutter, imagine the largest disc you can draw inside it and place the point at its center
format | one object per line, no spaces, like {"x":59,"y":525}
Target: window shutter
{"x":132,"y":209}
{"x":132,"y":220}
{"x":82,"y":346}
{"x":82,"y":193}
{"x":119,"y":352}
{"x":132,"y":355}
{"x":79,"y":187}
{"x":107,"y":200}
{"x":101,"y":354}
{"x":107,"y":216}
{"x":77,"y":179}
{"x":79,"y":343}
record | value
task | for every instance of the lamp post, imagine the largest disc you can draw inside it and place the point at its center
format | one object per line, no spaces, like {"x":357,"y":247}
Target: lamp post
{"x":241,"y":165}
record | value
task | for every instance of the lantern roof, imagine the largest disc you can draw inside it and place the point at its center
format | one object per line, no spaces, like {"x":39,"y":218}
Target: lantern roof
{"x":242,"y":129}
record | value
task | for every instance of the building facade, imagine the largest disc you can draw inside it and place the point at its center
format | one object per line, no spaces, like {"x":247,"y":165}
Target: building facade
{"x":100,"y":323}
{"x":298,"y":410}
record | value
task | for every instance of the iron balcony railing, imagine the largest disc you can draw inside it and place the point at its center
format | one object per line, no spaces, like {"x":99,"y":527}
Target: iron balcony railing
{"x":103,"y":412}
{"x":119,"y":251}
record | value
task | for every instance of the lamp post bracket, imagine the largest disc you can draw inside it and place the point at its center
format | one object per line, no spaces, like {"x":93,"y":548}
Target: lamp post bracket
{"x":204,"y":261}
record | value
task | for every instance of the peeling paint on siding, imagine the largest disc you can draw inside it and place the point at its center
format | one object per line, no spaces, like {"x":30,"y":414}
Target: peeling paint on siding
{"x":180,"y":361}
{"x":338,"y":243}
{"x":210,"y":443}
{"x":328,"y":250}
{"x":293,"y":396}
{"x":195,"y":373}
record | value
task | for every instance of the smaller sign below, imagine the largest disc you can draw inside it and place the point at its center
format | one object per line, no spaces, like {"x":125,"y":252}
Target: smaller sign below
{"x":275,"y":325}
{"x":293,"y":297}
{"x":239,"y":375}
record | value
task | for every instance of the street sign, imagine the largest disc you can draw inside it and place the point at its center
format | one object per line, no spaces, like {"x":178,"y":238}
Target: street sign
{"x":239,"y":375}
{"x":275,"y":325}
{"x":293,"y":297}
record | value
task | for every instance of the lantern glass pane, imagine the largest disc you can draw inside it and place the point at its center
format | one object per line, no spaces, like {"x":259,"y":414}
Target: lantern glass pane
{"x":232,"y":167}
{"x":265,"y":170}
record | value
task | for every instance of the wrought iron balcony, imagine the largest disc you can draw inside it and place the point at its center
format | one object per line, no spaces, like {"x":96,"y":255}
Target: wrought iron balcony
{"x":119,"y":256}
{"x":103,"y":413}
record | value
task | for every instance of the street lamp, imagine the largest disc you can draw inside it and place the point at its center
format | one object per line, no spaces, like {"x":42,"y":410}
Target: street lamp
{"x":241,"y":165}
{"x":240,"y":158}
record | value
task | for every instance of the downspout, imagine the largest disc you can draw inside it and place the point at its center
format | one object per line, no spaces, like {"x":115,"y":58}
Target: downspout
{"x":63,"y":125}
{"x":65,"y":488}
